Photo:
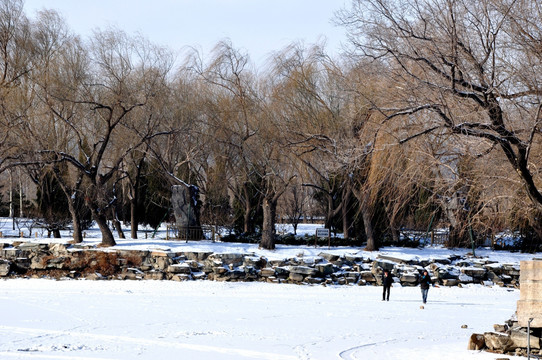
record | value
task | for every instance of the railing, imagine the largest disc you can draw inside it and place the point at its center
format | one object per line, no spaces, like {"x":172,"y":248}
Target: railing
{"x":204,"y":232}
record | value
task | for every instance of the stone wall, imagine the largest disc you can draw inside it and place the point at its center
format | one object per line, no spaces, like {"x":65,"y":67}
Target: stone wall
{"x":80,"y":261}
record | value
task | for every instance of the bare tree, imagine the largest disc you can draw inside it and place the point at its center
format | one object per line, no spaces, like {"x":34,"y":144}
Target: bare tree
{"x":460,"y":68}
{"x":232,"y":118}
{"x":93,"y":100}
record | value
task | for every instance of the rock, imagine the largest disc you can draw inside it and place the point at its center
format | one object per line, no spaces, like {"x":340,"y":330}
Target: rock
{"x":267,"y":272}
{"x":383,"y":264}
{"x":411,"y":278}
{"x":367,"y":276}
{"x":511,"y":270}
{"x":5,"y":267}
{"x":197,"y":255}
{"x":235,"y":259}
{"x":392,"y":259}
{"x":297,"y":277}
{"x":476,"y":342}
{"x":200,"y":275}
{"x":183,"y":268}
{"x":314,"y":280}
{"x":162,"y":262}
{"x":282,"y":273}
{"x":59,"y":249}
{"x":447,"y":272}
{"x":450,"y":282}
{"x":474,"y":272}
{"x":465,"y":279}
{"x":95,"y":276}
{"x":500,"y":328}
{"x":353,"y":258}
{"x":495,"y":278}
{"x":154,"y":275}
{"x":498,"y":341}
{"x":34,"y":247}
{"x":324,"y":269}
{"x":442,"y":260}
{"x":329,"y":257}
{"x":303,"y":270}
{"x":259,"y":262}
{"x":520,"y":338}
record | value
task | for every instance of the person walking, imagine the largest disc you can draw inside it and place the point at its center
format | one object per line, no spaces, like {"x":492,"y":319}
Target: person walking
{"x":387,"y":280}
{"x":425,"y":282}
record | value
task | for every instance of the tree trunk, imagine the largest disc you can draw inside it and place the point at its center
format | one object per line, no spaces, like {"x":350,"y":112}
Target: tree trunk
{"x":268,"y":228}
{"x":134,"y":224}
{"x":56,"y":233}
{"x":248,"y":227}
{"x":331,"y":212}
{"x":118,"y":227}
{"x":347,"y":194}
{"x":367,"y":217}
{"x":367,"y":224}
{"x":395,"y":235}
{"x":76,"y":221}
{"x":101,"y":221}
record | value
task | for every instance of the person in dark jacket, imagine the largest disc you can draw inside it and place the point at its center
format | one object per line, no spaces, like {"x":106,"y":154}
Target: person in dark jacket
{"x":387,"y":280}
{"x":425,"y":282}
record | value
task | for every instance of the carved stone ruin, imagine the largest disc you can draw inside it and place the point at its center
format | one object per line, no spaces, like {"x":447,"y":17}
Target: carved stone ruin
{"x":185,"y":208}
{"x":521,"y":336}
{"x":529,"y":305}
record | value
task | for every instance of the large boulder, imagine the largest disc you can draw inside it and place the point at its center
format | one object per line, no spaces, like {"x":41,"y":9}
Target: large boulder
{"x":521,"y":338}
{"x":476,"y":342}
{"x":499,"y":342}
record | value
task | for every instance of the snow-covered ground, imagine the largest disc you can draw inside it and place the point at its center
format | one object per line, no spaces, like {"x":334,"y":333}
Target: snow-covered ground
{"x":78,"y":319}
{"x":105,"y":320}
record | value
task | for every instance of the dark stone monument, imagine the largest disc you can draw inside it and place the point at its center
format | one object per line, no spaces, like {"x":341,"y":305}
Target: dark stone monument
{"x":184,"y":200}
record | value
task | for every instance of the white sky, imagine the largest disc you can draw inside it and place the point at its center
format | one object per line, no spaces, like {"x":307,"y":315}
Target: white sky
{"x":257,"y":26}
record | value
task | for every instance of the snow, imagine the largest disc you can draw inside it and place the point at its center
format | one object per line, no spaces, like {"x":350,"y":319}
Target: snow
{"x":78,"y":319}
{"x":105,"y":320}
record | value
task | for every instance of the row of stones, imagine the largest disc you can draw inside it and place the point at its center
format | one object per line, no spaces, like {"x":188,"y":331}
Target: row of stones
{"x":325,"y":268}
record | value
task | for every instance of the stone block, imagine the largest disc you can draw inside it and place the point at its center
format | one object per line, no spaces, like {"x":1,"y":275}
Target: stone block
{"x":498,"y":342}
{"x":324,"y":269}
{"x":527,"y":309}
{"x":530,"y":270}
{"x":303,"y":270}
{"x":520,"y":339}
{"x":531,"y":290}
